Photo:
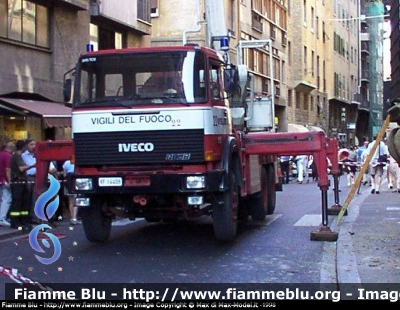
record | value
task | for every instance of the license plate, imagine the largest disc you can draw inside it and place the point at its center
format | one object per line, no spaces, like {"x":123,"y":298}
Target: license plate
{"x":110,"y":181}
{"x":137,"y":181}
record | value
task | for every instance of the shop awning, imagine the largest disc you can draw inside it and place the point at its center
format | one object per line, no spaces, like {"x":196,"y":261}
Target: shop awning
{"x":54,"y":114}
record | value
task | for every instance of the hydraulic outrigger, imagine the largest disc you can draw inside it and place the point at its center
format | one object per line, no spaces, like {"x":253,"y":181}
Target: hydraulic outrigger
{"x":313,"y":143}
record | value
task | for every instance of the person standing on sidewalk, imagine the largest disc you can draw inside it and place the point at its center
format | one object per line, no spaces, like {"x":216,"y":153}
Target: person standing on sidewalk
{"x":377,"y":166}
{"x":5,"y":178}
{"x":19,"y":209}
{"x":28,"y":156}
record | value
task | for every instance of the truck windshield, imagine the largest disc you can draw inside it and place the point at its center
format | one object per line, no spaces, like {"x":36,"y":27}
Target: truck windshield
{"x":141,"y":78}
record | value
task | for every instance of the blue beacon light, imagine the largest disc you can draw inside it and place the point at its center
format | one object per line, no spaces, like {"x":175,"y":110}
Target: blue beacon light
{"x":89,"y":48}
{"x":224,"y":43}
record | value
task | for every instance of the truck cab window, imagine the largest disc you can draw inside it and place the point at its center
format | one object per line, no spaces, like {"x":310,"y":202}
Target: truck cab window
{"x":216,"y":83}
{"x":142,"y":78}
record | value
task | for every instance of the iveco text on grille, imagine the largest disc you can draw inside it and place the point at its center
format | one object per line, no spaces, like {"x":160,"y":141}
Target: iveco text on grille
{"x":135,"y":147}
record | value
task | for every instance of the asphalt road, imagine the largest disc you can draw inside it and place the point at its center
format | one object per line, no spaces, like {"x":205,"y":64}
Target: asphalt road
{"x":277,"y":250}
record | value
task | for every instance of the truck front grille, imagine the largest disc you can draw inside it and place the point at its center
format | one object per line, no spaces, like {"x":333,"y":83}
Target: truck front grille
{"x":139,"y":147}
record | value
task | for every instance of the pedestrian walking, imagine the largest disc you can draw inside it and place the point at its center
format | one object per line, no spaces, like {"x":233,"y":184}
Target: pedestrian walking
{"x":5,"y":178}
{"x":312,"y":165}
{"x":377,"y":164}
{"x":302,"y":169}
{"x":393,"y":175}
{"x":361,"y":150}
{"x":350,"y":165}
{"x":363,"y":157}
{"x":285,"y":168}
{"x":19,"y":209}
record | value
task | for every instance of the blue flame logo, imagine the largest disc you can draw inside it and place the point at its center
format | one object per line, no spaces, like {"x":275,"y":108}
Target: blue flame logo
{"x":51,"y":199}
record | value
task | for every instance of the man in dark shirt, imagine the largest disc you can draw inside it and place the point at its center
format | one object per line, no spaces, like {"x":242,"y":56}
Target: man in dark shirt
{"x":19,"y":209}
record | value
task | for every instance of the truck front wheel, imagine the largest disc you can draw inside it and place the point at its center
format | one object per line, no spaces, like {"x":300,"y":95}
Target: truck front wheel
{"x":96,"y":224}
{"x":225,"y":211}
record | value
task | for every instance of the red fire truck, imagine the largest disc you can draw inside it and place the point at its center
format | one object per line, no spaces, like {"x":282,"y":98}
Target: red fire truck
{"x":171,"y":133}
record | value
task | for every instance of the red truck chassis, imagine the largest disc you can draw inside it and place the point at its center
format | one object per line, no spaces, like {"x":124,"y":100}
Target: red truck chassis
{"x":285,"y":143}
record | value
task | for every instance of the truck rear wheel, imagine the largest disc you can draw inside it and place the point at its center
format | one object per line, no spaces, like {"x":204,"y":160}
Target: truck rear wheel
{"x":258,"y":203}
{"x":96,"y":224}
{"x":225,"y":214}
{"x":263,"y":203}
{"x":271,"y":186}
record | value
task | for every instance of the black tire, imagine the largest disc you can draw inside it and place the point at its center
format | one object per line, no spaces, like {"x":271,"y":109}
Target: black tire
{"x":258,"y":203}
{"x":243,"y":212}
{"x":96,"y":224}
{"x":225,"y":211}
{"x":271,"y":190}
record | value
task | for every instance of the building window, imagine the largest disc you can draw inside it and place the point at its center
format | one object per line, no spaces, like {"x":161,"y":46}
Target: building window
{"x":144,"y":10}
{"x":312,"y":63}
{"x":155,"y":11}
{"x":24,"y":21}
{"x":103,"y":38}
{"x":312,"y":19}
{"x":94,"y":36}
{"x":305,"y":98}
{"x":232,"y":17}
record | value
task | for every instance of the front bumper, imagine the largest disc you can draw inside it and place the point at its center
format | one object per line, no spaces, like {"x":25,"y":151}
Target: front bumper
{"x":157,"y":183}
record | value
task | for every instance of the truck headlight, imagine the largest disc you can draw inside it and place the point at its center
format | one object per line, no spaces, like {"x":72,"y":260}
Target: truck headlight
{"x":84,"y":184}
{"x":82,"y":202}
{"x":195,"y":200}
{"x":195,"y":182}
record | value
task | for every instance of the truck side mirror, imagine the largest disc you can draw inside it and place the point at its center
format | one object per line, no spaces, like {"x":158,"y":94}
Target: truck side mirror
{"x":67,"y":90}
{"x":230,"y":80}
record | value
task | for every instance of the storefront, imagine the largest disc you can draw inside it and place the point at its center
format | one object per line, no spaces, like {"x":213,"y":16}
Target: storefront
{"x":38,"y":119}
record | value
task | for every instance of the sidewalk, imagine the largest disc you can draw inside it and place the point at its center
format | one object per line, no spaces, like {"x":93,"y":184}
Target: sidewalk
{"x":368,"y":245}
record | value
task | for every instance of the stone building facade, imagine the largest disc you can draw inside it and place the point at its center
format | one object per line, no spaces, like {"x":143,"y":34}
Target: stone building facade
{"x":41,"y":40}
